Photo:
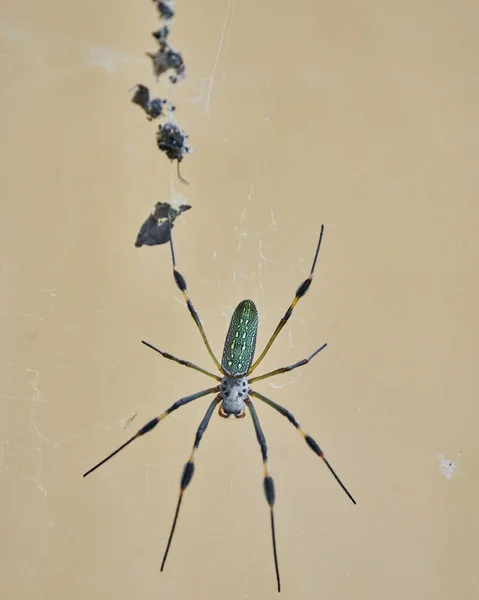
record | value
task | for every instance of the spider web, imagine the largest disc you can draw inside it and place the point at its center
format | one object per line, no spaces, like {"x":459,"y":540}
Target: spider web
{"x":28,"y":49}
{"x":34,"y":449}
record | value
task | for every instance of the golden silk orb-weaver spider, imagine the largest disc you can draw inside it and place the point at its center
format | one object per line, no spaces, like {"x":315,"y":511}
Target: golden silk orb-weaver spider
{"x":234,"y":392}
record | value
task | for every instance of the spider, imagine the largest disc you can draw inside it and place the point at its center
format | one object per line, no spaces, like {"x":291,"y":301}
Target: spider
{"x":233,"y":392}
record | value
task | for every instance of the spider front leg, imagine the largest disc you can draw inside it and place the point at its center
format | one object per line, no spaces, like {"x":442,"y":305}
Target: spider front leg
{"x":300,"y":292}
{"x":181,"y":283}
{"x":181,"y":361}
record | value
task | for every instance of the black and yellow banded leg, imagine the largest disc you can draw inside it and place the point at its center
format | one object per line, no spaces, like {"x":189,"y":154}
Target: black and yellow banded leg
{"x":268,"y":482}
{"x":181,"y":284}
{"x":307,"y":438}
{"x":281,"y":370}
{"x":189,"y":470}
{"x":185,"y":363}
{"x":154,"y":422}
{"x":300,"y":292}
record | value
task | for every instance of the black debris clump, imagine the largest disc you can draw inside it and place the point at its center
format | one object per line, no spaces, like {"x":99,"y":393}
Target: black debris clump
{"x":165,"y":9}
{"x":161,"y":35}
{"x":170,"y":138}
{"x":173,"y":142}
{"x":153,"y":108}
{"x":166,"y":59}
{"x":156,"y":229}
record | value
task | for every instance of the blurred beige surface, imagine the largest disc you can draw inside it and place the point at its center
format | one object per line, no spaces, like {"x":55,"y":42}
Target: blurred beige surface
{"x":359,"y":116}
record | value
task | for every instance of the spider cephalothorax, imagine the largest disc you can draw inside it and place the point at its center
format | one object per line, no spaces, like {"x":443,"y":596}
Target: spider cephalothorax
{"x":233,"y":392}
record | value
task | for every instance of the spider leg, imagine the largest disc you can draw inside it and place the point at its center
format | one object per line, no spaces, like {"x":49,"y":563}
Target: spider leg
{"x":189,"y":470}
{"x":185,"y":363}
{"x":307,"y":438}
{"x":300,"y":363}
{"x":300,"y":292}
{"x":154,"y":422}
{"x":268,"y":482}
{"x":181,"y":284}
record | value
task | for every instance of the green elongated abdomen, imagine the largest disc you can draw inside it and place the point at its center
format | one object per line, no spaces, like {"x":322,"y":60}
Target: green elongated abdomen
{"x":240,"y":341}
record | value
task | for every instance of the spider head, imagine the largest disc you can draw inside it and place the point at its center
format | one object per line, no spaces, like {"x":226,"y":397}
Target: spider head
{"x":233,"y":392}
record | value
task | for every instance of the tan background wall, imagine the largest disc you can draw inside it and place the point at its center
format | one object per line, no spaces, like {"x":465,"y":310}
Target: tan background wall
{"x":361,"y":116}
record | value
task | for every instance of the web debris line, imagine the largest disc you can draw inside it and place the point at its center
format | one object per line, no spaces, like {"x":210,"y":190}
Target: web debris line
{"x":217,"y":58}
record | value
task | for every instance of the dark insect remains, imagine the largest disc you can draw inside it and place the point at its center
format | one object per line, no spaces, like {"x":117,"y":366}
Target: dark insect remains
{"x":156,"y":229}
{"x":172,"y":140}
{"x":233,"y":392}
{"x":165,"y":9}
{"x":153,"y":108}
{"x":161,"y":35}
{"x":164,"y":59}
